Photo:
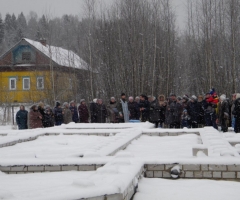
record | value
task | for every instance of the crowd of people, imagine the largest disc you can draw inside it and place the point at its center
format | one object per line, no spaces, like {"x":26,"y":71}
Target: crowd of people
{"x":172,"y":112}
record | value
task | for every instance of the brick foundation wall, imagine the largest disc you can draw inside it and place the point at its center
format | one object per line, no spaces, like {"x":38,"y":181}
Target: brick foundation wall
{"x":23,"y":169}
{"x":194,"y":171}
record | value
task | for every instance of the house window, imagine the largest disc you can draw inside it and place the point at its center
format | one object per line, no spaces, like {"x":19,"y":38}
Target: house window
{"x":26,"y":56}
{"x":12,"y":83}
{"x":26,"y":83}
{"x":40,"y":83}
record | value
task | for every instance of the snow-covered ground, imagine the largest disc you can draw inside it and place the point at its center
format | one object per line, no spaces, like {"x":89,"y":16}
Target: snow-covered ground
{"x":163,"y":147}
{"x":55,"y":147}
{"x":121,"y":170}
{"x":156,"y":189}
{"x":55,"y":185}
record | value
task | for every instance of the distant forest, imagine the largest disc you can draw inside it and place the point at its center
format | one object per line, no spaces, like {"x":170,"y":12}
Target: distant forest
{"x":136,"y":46}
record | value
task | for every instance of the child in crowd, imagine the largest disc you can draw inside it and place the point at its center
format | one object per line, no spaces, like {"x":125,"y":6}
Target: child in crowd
{"x":185,"y":118}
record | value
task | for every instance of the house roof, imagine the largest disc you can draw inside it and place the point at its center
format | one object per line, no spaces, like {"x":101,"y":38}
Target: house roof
{"x":59,"y":55}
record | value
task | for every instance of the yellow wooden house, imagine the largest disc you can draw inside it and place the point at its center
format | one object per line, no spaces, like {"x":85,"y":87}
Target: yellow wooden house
{"x":33,"y":71}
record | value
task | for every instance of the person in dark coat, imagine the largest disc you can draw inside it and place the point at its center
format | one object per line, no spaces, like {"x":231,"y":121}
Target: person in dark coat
{"x":42,"y":111}
{"x":67,"y":114}
{"x":133,"y":109}
{"x":175,"y":111}
{"x":41,"y":108}
{"x":154,"y":111}
{"x":193,"y":111}
{"x":34,"y":118}
{"x":185,"y":101}
{"x":22,"y":118}
{"x":137,"y":99}
{"x":58,"y":114}
{"x":113,"y":111}
{"x":231,"y":109}
{"x":93,"y":111}
{"x":74,"y":112}
{"x":83,"y":112}
{"x":209,"y":111}
{"x":223,"y":113}
{"x":163,"y":105}
{"x":101,"y":111}
{"x":236,"y":113}
{"x":167,"y":114}
{"x":48,"y":118}
{"x":144,"y":108}
{"x":201,"y":121}
{"x":122,"y":107}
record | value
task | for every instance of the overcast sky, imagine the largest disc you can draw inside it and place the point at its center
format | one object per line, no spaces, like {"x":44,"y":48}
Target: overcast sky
{"x":74,"y":7}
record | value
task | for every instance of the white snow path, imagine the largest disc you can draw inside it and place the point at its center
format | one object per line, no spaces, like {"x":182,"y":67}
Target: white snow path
{"x":163,"y":147}
{"x":157,"y":189}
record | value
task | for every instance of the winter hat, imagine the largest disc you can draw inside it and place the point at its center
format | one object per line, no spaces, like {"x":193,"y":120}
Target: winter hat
{"x":82,"y":100}
{"x":179,"y":98}
{"x":223,"y":97}
{"x":41,"y":104}
{"x":193,"y":97}
{"x":113,"y":98}
{"x":58,"y":104}
{"x":212,"y":91}
{"x":65,"y":104}
{"x":185,"y":110}
{"x":172,"y":95}
{"x":123,"y":94}
{"x":237,"y":95}
{"x":130,"y":98}
{"x":185,"y":97}
{"x":95,"y":100}
{"x":33,"y":106}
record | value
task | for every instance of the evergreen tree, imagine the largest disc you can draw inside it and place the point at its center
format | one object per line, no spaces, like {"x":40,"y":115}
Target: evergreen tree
{"x":1,"y":30}
{"x":22,"y":22}
{"x":19,"y":35}
{"x":44,"y":27}
{"x":14,"y":22}
{"x":10,"y":27}
{"x":8,"y":23}
{"x":32,"y":25}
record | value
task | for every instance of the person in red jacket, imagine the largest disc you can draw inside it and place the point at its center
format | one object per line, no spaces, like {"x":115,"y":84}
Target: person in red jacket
{"x":213,"y":99}
{"x":83,"y":112}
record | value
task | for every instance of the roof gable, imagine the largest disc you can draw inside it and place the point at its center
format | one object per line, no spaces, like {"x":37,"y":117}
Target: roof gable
{"x":59,"y":55}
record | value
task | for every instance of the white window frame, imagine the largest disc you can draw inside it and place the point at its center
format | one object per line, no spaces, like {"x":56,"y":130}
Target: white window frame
{"x":40,"y":88}
{"x":26,"y":78}
{"x":10,"y":80}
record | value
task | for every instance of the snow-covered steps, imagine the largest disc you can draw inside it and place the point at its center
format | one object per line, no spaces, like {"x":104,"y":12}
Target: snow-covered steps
{"x":217,"y":145}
